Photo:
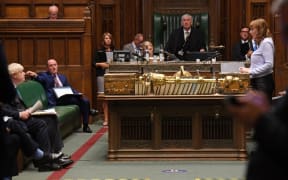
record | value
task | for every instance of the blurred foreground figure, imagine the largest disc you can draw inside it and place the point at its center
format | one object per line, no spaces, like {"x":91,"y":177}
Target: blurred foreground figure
{"x":269,"y":161}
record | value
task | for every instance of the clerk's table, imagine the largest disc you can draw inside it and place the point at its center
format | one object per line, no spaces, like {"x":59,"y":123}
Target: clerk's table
{"x":188,"y":123}
{"x":173,"y":127}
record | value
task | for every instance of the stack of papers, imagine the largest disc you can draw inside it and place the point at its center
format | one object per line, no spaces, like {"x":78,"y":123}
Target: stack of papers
{"x":50,"y":111}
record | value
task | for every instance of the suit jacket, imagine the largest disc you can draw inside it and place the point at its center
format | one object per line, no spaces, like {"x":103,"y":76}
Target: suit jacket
{"x":12,"y":109}
{"x":36,"y":126}
{"x":239,"y":53}
{"x":176,"y":41}
{"x":47,"y":81}
{"x":129,"y":47}
{"x":99,"y":57}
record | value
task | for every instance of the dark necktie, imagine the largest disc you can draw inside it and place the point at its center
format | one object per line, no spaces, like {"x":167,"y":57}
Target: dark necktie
{"x":186,"y":35}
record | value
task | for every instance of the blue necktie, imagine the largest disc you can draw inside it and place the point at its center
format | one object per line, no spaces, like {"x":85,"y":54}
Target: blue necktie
{"x":255,"y":47}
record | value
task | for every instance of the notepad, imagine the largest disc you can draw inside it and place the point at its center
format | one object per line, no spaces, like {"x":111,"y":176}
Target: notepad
{"x":61,"y":91}
{"x":50,"y":111}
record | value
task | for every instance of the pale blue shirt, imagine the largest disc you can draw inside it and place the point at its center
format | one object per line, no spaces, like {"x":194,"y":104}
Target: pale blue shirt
{"x":262,"y":60}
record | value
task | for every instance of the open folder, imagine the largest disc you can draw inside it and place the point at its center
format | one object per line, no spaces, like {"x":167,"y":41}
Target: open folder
{"x":66,"y":90}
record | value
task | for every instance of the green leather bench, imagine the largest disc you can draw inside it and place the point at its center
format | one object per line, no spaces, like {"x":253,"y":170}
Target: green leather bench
{"x":164,"y":24}
{"x":69,"y":116}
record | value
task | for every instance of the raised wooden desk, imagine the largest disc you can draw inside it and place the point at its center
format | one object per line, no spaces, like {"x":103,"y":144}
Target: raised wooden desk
{"x":173,"y":127}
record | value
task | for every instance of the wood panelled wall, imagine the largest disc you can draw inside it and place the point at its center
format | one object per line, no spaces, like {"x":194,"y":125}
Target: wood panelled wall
{"x":125,"y":18}
{"x":32,"y":42}
{"x":30,"y":38}
{"x":39,"y":8}
{"x":281,"y":56}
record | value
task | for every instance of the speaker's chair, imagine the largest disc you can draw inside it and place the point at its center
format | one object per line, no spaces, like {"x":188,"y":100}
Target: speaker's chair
{"x":164,"y":24}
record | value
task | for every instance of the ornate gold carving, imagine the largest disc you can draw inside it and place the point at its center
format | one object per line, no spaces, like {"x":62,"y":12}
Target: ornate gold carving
{"x":160,"y":84}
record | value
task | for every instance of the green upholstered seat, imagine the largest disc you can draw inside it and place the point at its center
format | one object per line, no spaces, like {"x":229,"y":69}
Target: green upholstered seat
{"x":30,"y":92}
{"x":68,"y":116}
{"x":164,"y":24}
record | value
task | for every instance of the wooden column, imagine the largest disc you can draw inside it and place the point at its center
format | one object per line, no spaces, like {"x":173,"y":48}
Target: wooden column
{"x":147,"y":6}
{"x":214,"y":22}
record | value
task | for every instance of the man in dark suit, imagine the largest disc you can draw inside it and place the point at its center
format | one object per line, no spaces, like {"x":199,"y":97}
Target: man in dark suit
{"x":186,"y":38}
{"x":243,"y":48}
{"x":51,"y":79}
{"x":39,"y":131}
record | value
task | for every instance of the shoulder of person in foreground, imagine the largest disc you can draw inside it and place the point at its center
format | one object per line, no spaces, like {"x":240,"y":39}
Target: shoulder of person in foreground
{"x":7,"y":90}
{"x":271,"y":128}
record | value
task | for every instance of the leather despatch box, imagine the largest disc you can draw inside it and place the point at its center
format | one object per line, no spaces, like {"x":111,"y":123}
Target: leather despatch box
{"x":119,"y":83}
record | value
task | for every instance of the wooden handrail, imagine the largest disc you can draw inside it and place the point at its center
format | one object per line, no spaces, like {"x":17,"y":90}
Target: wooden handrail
{"x":42,"y":25}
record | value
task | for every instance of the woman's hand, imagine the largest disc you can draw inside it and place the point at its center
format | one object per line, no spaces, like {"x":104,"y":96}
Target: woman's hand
{"x":103,"y":65}
{"x":244,"y":70}
{"x":249,"y":53}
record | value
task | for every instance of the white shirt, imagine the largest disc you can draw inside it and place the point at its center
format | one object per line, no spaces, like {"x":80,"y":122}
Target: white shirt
{"x":262,"y":60}
{"x":186,"y":33}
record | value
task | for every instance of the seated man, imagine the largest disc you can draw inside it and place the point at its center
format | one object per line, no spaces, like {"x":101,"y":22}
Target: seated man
{"x":44,"y":129}
{"x":50,"y":79}
{"x":186,"y":38}
{"x":53,"y":12}
{"x":13,"y":137}
{"x":135,"y":46}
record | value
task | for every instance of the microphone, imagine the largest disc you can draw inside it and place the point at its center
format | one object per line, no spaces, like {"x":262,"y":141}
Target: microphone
{"x":138,"y":56}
